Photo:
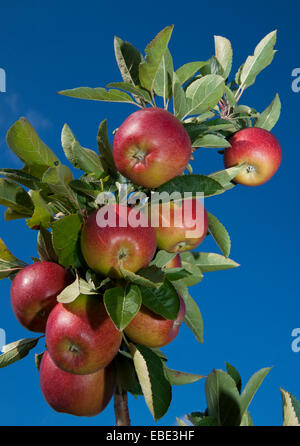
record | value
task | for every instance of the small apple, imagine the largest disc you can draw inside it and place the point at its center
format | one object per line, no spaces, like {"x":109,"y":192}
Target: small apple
{"x":152,"y":330}
{"x":107,"y":248}
{"x":174,"y":263}
{"x":151,"y":147}
{"x":80,"y":336}
{"x":179,"y":226}
{"x":81,"y":395}
{"x":34,"y":291}
{"x":259,"y":150}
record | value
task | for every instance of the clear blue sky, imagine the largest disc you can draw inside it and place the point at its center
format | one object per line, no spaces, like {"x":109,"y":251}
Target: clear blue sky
{"x":249,"y":313}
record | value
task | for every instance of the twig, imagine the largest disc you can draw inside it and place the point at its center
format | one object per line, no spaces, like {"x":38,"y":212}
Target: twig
{"x":121,"y":408}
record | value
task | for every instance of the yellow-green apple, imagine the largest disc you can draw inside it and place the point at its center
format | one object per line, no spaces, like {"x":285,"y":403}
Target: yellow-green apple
{"x":107,"y":245}
{"x":179,"y":226}
{"x":80,"y":336}
{"x":152,"y":330}
{"x":151,"y":147}
{"x":258,"y":150}
{"x":81,"y":395}
{"x":34,"y":291}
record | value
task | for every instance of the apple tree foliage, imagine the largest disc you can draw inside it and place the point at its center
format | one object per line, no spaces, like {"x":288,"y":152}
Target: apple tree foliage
{"x":205,"y":96}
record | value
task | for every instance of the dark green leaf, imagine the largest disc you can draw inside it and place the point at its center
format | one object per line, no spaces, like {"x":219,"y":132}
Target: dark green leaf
{"x":130,"y":88}
{"x":15,"y":197}
{"x":232,"y":371}
{"x":211,"y":140}
{"x":251,"y":388}
{"x":105,"y":149}
{"x":127,"y":376}
{"x":22,"y":178}
{"x":128,"y":60}
{"x":163,"y":300}
{"x":45,"y":246}
{"x":42,"y":213}
{"x":192,"y":183}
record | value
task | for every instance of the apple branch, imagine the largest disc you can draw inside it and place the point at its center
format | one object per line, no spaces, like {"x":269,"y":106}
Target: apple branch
{"x":121,"y":407}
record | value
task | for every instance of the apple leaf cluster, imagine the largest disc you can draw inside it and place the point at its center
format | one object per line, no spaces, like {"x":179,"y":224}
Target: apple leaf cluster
{"x":56,"y":200}
{"x":228,"y":403}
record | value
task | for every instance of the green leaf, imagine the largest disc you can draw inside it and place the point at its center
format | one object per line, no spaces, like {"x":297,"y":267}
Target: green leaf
{"x":138,"y":279}
{"x":72,"y":291}
{"x":23,"y":140}
{"x":135,"y":91}
{"x":164,"y":77}
{"x":207,"y":261}
{"x":98,"y":94}
{"x":163,"y":300}
{"x":212,"y":66}
{"x":291,"y":409}
{"x":9,"y":264}
{"x":204,"y":93}
{"x":232,"y":371}
{"x":229,"y":96}
{"x":188,"y":70}
{"x":200,"y":419}
{"x":154,"y":54}
{"x":20,"y":177}
{"x":211,"y":140}
{"x":58,"y":179}
{"x":192,"y":183}
{"x":81,"y":158}
{"x":268,"y":118}
{"x":15,"y":197}
{"x":224,"y":177}
{"x":223,"y":399}
{"x":177,"y":378}
{"x":105,"y":149}
{"x":66,"y":240}
{"x":16,"y":350}
{"x":128,"y":60}
{"x":42,"y":213}
{"x":156,"y":388}
{"x":246,"y":419}
{"x":179,"y":99}
{"x":127,"y":376}
{"x":37,"y":359}
{"x":162,"y":258}
{"x":219,"y":233}
{"x":251,"y":388}
{"x":45,"y":246}
{"x":262,"y":57}
{"x":193,"y":318}
{"x":223,"y":51}
{"x":122,"y":304}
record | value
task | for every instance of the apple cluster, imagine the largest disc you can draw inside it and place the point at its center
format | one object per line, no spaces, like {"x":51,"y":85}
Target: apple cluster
{"x":151,"y":147}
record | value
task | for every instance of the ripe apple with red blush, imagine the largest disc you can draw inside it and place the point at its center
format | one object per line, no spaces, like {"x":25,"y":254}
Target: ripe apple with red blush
{"x":34,"y":291}
{"x":260,"y":152}
{"x":81,"y":395}
{"x":179,"y":226}
{"x":151,"y":147}
{"x":122,"y":242}
{"x":80,"y":336}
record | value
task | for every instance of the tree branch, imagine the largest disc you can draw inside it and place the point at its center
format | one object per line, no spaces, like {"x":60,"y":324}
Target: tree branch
{"x":121,"y":408}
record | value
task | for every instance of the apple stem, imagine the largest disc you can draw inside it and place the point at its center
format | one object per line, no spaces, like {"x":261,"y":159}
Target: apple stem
{"x":121,"y":408}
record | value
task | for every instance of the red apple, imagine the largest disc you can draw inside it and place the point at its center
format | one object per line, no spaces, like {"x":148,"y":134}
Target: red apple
{"x":259,"y":150}
{"x":174,"y":263}
{"x":152,"y":330}
{"x":80,"y":336}
{"x":81,"y":395}
{"x":34,"y":291}
{"x":105,"y":249}
{"x":151,"y":147}
{"x":179,"y":226}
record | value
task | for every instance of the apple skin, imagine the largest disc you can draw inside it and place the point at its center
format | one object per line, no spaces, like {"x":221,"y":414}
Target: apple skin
{"x":259,"y":150}
{"x":106,"y":249}
{"x":34,"y":291}
{"x":174,"y":263}
{"x":81,"y":395}
{"x":174,"y":237}
{"x":151,"y":147}
{"x":80,"y":336}
{"x":152,"y":330}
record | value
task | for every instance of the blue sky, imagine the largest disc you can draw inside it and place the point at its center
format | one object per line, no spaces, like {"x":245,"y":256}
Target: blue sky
{"x":249,"y":313}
